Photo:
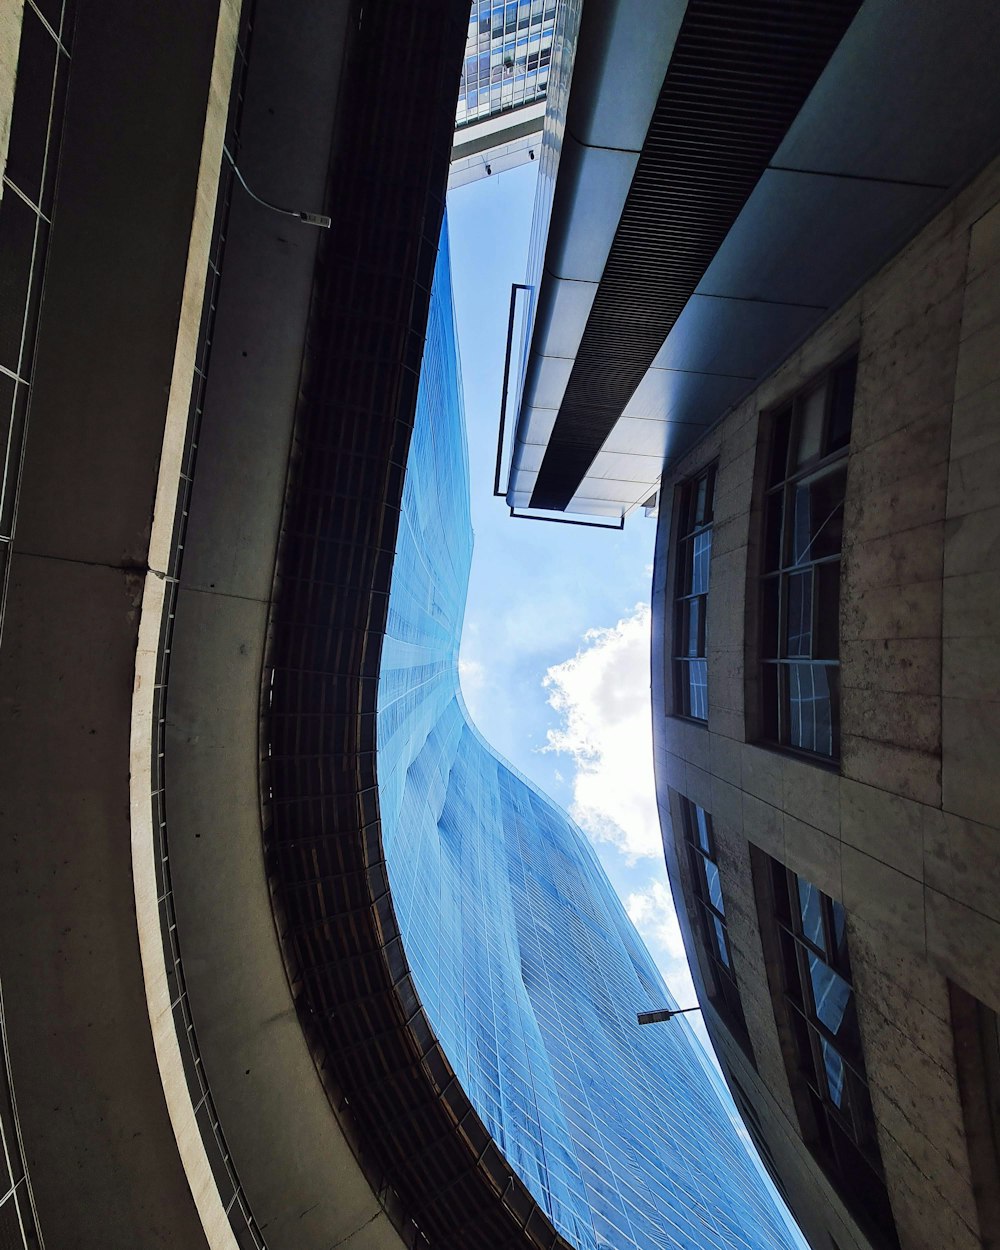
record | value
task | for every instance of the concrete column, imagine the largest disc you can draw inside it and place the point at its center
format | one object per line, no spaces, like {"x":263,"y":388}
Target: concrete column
{"x":99,"y":1144}
{"x":11,"y":13}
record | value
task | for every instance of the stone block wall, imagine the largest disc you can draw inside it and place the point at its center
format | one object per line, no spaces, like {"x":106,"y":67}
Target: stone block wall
{"x":905,"y":832}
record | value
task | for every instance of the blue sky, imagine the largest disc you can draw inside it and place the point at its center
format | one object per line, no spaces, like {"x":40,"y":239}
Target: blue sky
{"x":555,"y":649}
{"x":555,"y":653}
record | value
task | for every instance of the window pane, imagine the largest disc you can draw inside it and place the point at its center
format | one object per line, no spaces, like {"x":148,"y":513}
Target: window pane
{"x":769,"y":701}
{"x":701,"y":830}
{"x":834,"y":1072}
{"x":698,"y":688}
{"x":818,"y":516}
{"x":713,"y":886}
{"x":810,"y":724}
{"x":826,"y":638}
{"x":840,"y":956}
{"x":702,"y":545}
{"x":842,"y":405}
{"x":831,"y":994}
{"x":809,"y":411}
{"x":774,"y":511}
{"x":779,"y":446}
{"x":684,"y":568}
{"x":811,"y":912}
{"x":798,"y":641}
{"x":693,"y":627}
{"x":710,"y":496}
{"x":700,"y":499}
{"x":718,"y":930}
{"x":769,"y":618}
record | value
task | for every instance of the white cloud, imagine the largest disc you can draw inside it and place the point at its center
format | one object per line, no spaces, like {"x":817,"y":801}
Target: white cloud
{"x":472,"y":676}
{"x":474,"y":679}
{"x":651,"y":910}
{"x":602,"y":698}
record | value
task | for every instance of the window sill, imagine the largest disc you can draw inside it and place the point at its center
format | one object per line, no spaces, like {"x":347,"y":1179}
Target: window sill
{"x":827,"y":763}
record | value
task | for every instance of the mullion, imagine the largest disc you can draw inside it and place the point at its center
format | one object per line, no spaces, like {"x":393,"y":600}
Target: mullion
{"x":819,"y":1087}
{"x":821,"y":1031}
{"x":793,"y":477}
{"x":816,"y":704}
{"x":725,"y":993}
{"x":803,"y":948}
{"x":687,"y":649}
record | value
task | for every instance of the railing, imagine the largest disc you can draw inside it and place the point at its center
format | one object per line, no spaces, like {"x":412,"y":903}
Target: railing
{"x":245,"y":1228}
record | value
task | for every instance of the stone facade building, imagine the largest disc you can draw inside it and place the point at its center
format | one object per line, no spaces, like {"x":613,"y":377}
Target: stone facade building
{"x":827,"y":562}
{"x":778,"y":326}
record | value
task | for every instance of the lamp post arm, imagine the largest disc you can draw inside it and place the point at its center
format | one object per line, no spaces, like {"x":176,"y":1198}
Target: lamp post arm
{"x":664,"y":1013}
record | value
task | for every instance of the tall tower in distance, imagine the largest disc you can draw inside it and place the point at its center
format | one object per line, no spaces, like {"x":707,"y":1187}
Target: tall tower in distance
{"x":501,"y":99}
{"x":526,"y":965}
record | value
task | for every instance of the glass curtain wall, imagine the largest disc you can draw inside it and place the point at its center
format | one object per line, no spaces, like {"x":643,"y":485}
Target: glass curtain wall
{"x":526,"y":963}
{"x":506,"y":57}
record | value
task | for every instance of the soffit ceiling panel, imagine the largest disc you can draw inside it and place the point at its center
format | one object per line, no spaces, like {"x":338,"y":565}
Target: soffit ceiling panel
{"x":772,"y":252}
{"x":545,"y":385}
{"x":538,"y":423}
{"x":738,"y":73}
{"x":912,"y":94}
{"x":732,"y":337}
{"x":907,"y":109}
{"x":588,"y":505}
{"x":624,"y":467}
{"x":619,"y":70}
{"x":676,"y":395}
{"x":648,"y":438}
{"x":563,"y":308}
{"x":597,"y":180}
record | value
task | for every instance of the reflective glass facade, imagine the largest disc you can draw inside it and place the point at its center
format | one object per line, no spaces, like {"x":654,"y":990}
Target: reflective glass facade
{"x":527,"y":965}
{"x":506,"y":57}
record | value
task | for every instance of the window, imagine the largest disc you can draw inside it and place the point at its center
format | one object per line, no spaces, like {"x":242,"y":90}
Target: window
{"x":694,"y":555}
{"x":800,"y":586}
{"x":723,"y":990}
{"x":828,"y":1064}
{"x":977,"y":1060}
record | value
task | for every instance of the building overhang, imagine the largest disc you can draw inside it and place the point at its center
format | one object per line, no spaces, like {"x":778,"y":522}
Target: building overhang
{"x":496,"y":144}
{"x":756,"y":172}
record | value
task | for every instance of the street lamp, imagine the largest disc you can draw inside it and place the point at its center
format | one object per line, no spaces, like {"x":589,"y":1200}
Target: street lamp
{"x":664,"y":1013}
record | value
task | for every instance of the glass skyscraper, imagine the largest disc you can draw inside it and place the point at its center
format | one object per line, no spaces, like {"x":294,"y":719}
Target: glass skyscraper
{"x":527,"y":965}
{"x":506,"y":57}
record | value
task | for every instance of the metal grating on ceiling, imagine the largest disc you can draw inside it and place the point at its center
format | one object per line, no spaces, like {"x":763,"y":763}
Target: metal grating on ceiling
{"x":427,"y":1155}
{"x":739,"y":73}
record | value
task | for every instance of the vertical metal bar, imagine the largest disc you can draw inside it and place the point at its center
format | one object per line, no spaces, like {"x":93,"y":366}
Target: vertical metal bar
{"x":514,"y":288}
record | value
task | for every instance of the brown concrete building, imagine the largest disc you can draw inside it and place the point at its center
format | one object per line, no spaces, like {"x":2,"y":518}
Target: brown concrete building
{"x":843,"y":593}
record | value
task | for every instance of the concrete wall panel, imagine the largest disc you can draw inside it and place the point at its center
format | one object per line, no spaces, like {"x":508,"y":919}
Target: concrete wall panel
{"x":906,"y":830}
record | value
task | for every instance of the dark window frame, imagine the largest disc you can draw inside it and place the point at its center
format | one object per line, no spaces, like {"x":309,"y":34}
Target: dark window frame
{"x":695,"y":523}
{"x":841,"y":1134}
{"x":712,"y":926}
{"x":799,"y":586}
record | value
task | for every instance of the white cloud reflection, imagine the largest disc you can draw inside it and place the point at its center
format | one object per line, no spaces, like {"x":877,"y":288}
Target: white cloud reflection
{"x":601,"y":696}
